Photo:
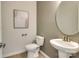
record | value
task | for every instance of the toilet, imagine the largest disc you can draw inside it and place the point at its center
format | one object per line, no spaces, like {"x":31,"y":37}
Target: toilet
{"x":34,"y":48}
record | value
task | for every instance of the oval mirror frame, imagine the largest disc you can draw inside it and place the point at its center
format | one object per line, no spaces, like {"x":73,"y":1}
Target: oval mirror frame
{"x":67,"y":24}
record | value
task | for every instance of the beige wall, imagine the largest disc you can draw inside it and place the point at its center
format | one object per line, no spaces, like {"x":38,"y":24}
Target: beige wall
{"x":46,"y":26}
{"x":0,"y":21}
{"x":0,"y":31}
{"x":13,"y":37}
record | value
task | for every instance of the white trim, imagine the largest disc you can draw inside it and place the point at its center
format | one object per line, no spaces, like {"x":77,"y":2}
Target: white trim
{"x":21,"y":51}
{"x":44,"y":54}
{"x":14,"y":53}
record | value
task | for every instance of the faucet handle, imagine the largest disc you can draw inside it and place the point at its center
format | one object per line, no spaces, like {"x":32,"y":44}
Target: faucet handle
{"x":69,"y":39}
{"x":64,"y":38}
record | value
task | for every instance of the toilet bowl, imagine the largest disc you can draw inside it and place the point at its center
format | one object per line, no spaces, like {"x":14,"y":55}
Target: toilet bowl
{"x":34,"y":48}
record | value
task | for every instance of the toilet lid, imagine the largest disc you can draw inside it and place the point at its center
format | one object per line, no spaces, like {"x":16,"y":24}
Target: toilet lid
{"x":31,"y":46}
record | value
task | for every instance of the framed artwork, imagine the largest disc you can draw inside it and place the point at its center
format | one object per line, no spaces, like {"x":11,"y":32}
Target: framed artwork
{"x":20,"y":19}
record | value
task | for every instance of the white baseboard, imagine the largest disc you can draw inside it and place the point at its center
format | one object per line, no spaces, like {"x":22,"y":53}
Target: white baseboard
{"x":14,"y":53}
{"x":21,"y":51}
{"x":44,"y":54}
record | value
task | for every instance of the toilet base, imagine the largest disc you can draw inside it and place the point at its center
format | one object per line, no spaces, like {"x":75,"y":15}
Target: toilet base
{"x":33,"y":54}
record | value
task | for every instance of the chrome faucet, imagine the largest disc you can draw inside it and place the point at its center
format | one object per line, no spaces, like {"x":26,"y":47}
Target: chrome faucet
{"x":66,"y":38}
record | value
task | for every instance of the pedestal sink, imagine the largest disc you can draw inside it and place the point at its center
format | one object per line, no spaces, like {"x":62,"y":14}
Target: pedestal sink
{"x":65,"y":49}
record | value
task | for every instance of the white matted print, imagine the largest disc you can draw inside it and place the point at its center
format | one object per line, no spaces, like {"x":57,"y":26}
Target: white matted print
{"x":21,"y":19}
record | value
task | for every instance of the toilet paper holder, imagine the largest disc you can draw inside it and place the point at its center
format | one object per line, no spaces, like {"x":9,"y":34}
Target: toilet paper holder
{"x":2,"y":45}
{"x":24,"y":34}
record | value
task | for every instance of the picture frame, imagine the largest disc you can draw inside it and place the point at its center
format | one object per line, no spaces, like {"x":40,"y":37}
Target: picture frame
{"x":20,"y":19}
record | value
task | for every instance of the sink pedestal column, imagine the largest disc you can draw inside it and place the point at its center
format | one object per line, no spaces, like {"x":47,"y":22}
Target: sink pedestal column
{"x":62,"y":54}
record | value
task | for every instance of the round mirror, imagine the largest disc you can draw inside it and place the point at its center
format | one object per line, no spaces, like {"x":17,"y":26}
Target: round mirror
{"x":67,"y":17}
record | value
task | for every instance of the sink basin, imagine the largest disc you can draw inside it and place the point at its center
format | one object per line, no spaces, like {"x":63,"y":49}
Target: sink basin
{"x":63,"y":46}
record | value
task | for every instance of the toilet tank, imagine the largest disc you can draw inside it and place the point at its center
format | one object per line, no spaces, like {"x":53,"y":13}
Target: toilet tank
{"x":40,"y":40}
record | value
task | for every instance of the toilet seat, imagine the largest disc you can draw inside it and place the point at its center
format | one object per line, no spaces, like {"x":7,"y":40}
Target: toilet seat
{"x":31,"y":47}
